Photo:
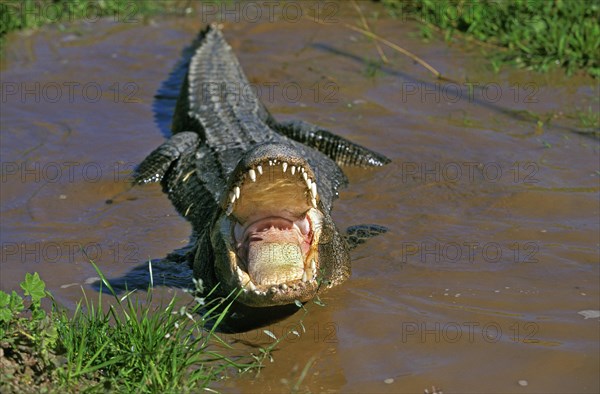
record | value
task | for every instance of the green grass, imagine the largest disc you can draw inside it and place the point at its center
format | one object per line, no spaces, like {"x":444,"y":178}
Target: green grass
{"x":24,"y":14}
{"x":28,"y":14}
{"x":128,"y":346}
{"x":536,"y":34}
{"x":588,"y":118}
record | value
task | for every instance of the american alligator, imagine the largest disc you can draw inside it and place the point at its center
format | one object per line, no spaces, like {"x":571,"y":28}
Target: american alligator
{"x":258,"y":192}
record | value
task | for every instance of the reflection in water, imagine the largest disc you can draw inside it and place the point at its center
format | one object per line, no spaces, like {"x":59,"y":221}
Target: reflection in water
{"x":165,"y":98}
{"x":174,"y":272}
{"x":451,"y":90}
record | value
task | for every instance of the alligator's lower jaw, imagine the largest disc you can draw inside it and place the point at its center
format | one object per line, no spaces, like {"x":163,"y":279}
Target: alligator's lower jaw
{"x":279,"y":295}
{"x":277,"y":260}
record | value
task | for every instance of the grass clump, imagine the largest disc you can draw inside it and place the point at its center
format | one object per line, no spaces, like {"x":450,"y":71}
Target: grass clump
{"x":27,"y":14}
{"x":129,"y":348}
{"x":24,"y":14}
{"x":537,"y":34}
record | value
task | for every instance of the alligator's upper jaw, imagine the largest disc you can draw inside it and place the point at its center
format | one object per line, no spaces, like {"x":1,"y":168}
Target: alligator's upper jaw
{"x":272,"y":228}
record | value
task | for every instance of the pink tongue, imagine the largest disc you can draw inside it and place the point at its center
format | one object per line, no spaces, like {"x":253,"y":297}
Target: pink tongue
{"x":280,"y":223}
{"x":265,"y":224}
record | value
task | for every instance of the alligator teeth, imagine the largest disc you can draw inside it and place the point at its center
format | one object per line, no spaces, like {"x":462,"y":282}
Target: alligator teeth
{"x":301,"y":169}
{"x":313,"y":266}
{"x":259,"y":169}
{"x":229,"y":209}
{"x":293,"y":170}
{"x":257,"y":292}
{"x":232,"y":197}
{"x":284,"y":165}
{"x":251,"y":286}
{"x":240,"y":274}
{"x":252,"y":174}
{"x":313,"y":201}
{"x":237,"y":192}
{"x":313,"y":189}
{"x":283,"y":287}
{"x":304,"y":277}
{"x":270,"y":163}
{"x":304,"y":175}
{"x":308,"y":182}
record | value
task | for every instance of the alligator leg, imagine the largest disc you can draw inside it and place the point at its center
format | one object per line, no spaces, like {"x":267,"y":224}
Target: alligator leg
{"x":356,"y":235}
{"x":341,"y":150}
{"x":157,"y":164}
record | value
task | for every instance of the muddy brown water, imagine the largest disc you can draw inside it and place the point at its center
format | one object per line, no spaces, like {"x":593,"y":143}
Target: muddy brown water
{"x":491,"y":259}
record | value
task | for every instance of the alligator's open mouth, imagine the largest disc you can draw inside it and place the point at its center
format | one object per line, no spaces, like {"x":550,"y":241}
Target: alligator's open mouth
{"x":273,"y":229}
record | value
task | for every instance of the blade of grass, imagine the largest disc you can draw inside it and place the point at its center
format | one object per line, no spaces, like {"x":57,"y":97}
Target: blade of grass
{"x":363,"y":20}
